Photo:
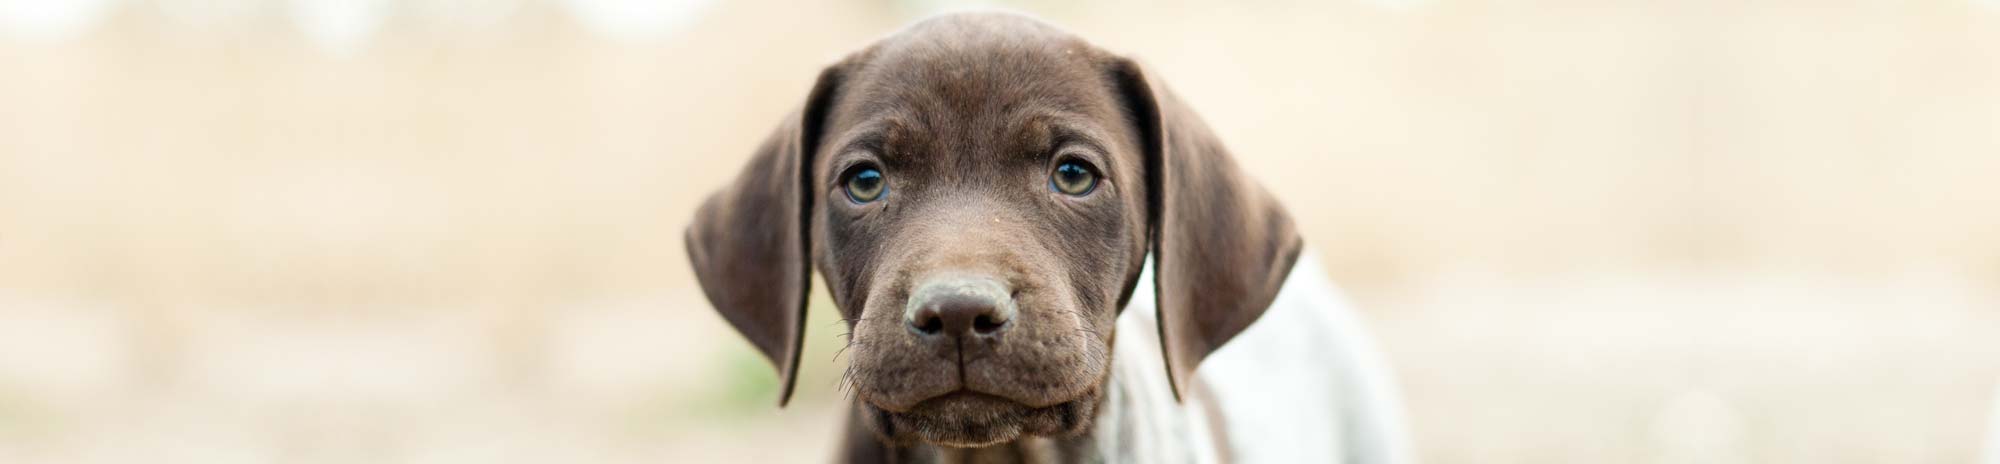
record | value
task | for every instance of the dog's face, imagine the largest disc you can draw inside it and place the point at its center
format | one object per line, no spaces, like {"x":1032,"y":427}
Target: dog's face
{"x":984,"y":213}
{"x":980,"y":193}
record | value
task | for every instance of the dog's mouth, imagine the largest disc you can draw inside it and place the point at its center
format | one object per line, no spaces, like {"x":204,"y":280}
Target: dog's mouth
{"x":969,"y":419}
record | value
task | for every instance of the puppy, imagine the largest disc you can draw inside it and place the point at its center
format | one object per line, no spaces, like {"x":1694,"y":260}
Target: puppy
{"x":980,"y":193}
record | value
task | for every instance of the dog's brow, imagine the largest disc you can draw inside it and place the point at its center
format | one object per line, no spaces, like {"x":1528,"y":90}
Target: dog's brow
{"x":873,"y":141}
{"x":1062,"y":135}
{"x":1045,"y":133}
{"x":875,"y":136}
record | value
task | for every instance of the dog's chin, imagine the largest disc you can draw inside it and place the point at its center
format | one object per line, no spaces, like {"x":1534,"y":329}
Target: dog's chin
{"x":965,"y":419}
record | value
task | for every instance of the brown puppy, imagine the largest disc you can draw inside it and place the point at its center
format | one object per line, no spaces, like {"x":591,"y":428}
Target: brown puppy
{"x":980,"y":192}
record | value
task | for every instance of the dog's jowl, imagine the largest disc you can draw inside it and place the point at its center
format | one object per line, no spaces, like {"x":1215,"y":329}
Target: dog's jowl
{"x":981,"y":193}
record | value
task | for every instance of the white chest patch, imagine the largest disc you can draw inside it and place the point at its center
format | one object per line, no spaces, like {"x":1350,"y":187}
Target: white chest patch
{"x":1302,"y":384}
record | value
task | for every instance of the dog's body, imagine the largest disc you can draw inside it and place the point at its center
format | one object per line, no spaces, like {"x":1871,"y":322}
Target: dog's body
{"x":982,"y":192}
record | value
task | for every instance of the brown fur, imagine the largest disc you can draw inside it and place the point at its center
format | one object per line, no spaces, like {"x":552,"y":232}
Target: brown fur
{"x":966,"y":115}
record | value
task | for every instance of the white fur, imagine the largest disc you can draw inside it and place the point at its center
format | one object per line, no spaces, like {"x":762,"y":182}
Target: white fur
{"x":1302,"y":384}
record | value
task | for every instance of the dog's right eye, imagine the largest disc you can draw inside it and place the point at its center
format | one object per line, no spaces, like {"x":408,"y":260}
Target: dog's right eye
{"x":865,"y":185}
{"x":1072,"y":178}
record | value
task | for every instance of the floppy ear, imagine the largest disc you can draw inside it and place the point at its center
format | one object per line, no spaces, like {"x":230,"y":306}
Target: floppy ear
{"x":1221,"y":245}
{"x":749,"y":241}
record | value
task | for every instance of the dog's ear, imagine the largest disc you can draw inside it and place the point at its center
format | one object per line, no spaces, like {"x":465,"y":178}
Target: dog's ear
{"x":750,"y":243}
{"x":1221,"y":245}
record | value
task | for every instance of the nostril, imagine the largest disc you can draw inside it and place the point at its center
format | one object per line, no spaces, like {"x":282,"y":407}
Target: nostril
{"x":986,"y":324}
{"x":928,"y":323}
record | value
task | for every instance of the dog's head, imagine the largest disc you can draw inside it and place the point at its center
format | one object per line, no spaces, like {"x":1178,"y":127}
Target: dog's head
{"x":980,"y":192}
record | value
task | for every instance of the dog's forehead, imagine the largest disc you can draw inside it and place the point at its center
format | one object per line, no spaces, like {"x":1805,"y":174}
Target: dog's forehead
{"x":979,"y":70}
{"x":982,"y":45}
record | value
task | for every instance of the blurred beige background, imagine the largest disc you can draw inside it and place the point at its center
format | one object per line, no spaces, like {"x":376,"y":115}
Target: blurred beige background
{"x":449,"y":230}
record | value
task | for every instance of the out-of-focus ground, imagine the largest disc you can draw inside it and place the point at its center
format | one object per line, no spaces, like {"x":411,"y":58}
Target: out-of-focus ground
{"x":449,"y":230}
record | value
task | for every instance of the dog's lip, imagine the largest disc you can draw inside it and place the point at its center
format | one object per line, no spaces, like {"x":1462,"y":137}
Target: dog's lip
{"x":966,"y":394}
{"x":904,"y":403}
{"x":959,"y":394}
{"x":967,"y":418}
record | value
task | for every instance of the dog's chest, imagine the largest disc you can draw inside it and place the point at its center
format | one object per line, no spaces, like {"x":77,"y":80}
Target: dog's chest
{"x":1302,"y":384}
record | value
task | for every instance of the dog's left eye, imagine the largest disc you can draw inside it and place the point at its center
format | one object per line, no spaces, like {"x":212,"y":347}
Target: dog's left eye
{"x":865,"y":185}
{"x":1073,"y":178}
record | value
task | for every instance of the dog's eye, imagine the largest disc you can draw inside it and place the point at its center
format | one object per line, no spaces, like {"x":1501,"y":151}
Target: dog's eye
{"x":865,"y":185}
{"x":1073,"y":178}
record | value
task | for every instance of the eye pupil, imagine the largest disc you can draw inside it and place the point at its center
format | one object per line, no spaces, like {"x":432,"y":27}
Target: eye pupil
{"x":1073,"y":179}
{"x":865,"y":185}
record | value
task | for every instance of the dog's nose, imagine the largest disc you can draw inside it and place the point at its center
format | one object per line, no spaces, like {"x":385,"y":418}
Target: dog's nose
{"x":959,"y":307}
